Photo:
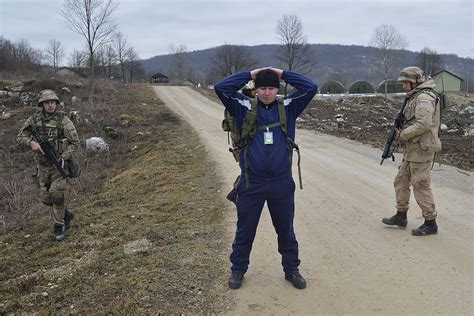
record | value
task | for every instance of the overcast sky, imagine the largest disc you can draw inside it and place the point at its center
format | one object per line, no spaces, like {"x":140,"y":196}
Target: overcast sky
{"x":151,"y":26}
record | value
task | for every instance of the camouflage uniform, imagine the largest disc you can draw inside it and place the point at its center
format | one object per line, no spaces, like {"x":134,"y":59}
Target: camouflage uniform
{"x":59,"y":129}
{"x":419,"y":137}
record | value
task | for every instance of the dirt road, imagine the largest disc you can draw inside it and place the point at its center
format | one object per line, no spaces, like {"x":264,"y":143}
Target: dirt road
{"x":352,"y":262}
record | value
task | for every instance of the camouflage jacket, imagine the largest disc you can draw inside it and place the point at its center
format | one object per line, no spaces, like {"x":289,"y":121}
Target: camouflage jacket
{"x":419,"y":134}
{"x":57,"y":128}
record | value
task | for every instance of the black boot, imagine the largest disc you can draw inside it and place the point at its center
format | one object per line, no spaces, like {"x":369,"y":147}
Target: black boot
{"x":399,"y":219}
{"x":296,"y":279}
{"x":232,"y":196}
{"x":68,"y":216}
{"x":428,"y":228}
{"x":235,"y":279}
{"x":58,"y":232}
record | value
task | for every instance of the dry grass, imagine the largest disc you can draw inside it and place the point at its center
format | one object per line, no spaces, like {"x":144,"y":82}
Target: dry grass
{"x":158,"y":185}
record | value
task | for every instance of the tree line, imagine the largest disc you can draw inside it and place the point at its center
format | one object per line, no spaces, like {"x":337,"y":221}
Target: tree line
{"x":106,"y":54}
{"x":295,"y":54}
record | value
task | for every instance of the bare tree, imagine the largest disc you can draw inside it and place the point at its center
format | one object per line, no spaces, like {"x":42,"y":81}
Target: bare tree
{"x":430,"y":61}
{"x":388,"y":40}
{"x":54,"y":53}
{"x":93,"y":20}
{"x":134,"y":66}
{"x":295,"y":53}
{"x":121,"y":47}
{"x":179,"y":64}
{"x":229,"y":59}
{"x":110,"y":57}
{"x":77,"y":59}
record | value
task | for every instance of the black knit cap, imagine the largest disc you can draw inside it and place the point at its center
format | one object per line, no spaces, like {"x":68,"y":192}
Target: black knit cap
{"x":267,"y":78}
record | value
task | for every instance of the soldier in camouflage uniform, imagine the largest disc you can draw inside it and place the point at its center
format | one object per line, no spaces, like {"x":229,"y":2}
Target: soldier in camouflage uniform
{"x":419,"y":137}
{"x":54,"y":126}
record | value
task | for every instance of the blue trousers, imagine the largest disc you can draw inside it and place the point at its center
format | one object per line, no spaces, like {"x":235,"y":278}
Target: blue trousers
{"x":280,"y":196}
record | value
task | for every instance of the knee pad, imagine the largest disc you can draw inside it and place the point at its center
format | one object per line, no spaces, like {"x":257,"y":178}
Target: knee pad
{"x":45,"y":198}
{"x":58,"y":199}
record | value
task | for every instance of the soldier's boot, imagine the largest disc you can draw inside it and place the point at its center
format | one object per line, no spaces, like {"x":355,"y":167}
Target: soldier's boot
{"x":296,"y":279}
{"x":235,"y":279}
{"x":428,"y":228}
{"x":399,"y":219}
{"x":58,"y":232}
{"x":232,"y":196}
{"x":68,"y":216}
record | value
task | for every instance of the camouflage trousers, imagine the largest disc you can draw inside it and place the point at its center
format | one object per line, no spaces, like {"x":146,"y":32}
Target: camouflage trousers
{"x":52,"y":191}
{"x":416,"y":174}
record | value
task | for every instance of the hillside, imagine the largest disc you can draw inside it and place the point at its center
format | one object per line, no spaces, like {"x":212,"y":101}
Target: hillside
{"x":346,"y":63}
{"x":147,"y":236}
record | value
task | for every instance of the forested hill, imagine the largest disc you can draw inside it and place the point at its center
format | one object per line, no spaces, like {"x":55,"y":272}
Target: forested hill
{"x":340,"y":62}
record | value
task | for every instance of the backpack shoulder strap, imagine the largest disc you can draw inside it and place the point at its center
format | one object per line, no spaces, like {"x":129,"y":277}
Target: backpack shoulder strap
{"x":282,"y":114}
{"x":249,"y":126}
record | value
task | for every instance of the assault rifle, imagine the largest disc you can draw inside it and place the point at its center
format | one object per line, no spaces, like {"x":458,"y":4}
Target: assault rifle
{"x":390,"y":144}
{"x":49,"y":150}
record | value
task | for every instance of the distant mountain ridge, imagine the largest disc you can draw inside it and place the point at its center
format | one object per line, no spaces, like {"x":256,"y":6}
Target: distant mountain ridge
{"x":346,"y":63}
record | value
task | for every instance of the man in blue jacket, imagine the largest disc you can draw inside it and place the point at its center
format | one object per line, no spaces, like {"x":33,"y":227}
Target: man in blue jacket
{"x":265,"y":162}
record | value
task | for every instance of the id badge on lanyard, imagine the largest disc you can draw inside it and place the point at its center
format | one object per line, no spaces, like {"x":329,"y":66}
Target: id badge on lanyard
{"x":268,"y":137}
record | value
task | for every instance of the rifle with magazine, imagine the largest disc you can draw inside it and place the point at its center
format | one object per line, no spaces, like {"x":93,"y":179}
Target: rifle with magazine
{"x":389,"y":147}
{"x":49,"y":150}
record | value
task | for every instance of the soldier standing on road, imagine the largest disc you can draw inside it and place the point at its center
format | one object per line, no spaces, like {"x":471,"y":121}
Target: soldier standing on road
{"x":419,"y":137}
{"x":265,"y":163}
{"x":56,"y":127}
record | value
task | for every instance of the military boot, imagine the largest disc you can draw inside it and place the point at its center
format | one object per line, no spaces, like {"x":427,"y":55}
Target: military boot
{"x":235,"y":279}
{"x":68,"y":216}
{"x":58,"y":232}
{"x":296,"y":279}
{"x":428,"y":228}
{"x":399,"y":219}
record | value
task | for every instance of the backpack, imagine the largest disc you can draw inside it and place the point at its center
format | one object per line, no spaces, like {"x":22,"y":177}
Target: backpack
{"x":249,"y":129}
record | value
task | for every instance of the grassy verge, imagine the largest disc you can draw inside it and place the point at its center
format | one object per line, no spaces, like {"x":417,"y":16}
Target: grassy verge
{"x":155,"y":185}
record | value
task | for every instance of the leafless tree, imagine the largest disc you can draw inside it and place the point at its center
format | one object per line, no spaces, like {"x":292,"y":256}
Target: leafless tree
{"x":93,"y":20}
{"x":54,"y":53}
{"x":179,"y":66}
{"x":229,"y":59}
{"x":134,"y":65}
{"x":430,"y":61}
{"x":388,"y":41}
{"x":110,"y":57}
{"x":77,"y":59}
{"x":295,"y":53}
{"x":121,"y":47}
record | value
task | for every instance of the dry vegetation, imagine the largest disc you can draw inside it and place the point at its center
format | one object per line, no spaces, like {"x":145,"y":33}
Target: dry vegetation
{"x":156,"y":183}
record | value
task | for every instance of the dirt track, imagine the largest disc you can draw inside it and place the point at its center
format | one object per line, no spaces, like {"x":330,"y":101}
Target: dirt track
{"x":352,"y":262}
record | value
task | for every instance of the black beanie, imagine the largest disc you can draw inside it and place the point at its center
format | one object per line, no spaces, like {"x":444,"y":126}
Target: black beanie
{"x":267,"y":78}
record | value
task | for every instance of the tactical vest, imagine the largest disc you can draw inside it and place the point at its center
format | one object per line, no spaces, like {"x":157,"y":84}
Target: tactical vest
{"x":51,"y":129}
{"x":249,"y":129}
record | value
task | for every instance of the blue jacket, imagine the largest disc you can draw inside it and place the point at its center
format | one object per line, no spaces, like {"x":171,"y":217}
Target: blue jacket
{"x":266,"y":162}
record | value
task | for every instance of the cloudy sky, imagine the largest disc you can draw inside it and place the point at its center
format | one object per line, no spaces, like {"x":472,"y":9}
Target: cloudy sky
{"x":151,"y":26}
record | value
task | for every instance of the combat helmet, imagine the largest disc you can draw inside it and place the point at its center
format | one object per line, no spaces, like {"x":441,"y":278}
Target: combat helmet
{"x":412,"y":74}
{"x":47,"y":95}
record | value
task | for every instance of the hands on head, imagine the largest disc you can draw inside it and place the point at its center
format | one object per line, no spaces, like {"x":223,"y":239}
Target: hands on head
{"x":254,"y":72}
